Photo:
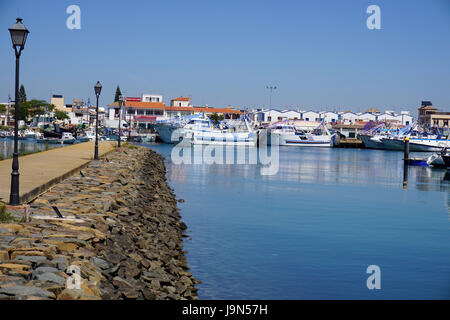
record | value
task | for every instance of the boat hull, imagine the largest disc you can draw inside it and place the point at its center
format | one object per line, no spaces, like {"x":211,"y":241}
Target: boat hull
{"x":169,"y":133}
{"x":416,"y":145}
{"x":303,"y":141}
{"x":219,"y":138}
{"x":393,"y":144}
{"x":370,"y":142}
{"x":435,"y":160}
{"x":446,"y":159}
{"x":428,"y":145}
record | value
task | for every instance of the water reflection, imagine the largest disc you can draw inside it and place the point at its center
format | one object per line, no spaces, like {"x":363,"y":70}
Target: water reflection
{"x":311,"y":230}
{"x":322,"y":166}
{"x":24,"y":147}
{"x":325,"y":166}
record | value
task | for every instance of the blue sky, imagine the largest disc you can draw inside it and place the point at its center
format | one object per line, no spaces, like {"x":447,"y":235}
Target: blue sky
{"x":320,"y":53}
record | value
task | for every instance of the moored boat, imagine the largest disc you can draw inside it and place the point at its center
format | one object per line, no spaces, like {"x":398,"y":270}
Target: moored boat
{"x":201,"y":130}
{"x":372,"y":142}
{"x":446,"y":159}
{"x":287,"y":134}
{"x":435,"y":160}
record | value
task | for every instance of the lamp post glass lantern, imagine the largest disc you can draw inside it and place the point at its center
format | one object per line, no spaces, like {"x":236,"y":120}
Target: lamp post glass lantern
{"x":98,"y":90}
{"x":19,"y":36}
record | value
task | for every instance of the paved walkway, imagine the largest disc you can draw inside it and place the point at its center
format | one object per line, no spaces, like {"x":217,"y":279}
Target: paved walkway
{"x":40,"y":171}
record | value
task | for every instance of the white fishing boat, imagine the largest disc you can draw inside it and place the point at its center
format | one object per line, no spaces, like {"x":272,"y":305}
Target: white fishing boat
{"x":288,"y":135}
{"x":31,"y":135}
{"x":90,"y":135}
{"x":430,"y":143}
{"x":372,"y":141}
{"x":372,"y":134}
{"x":435,"y":160}
{"x":419,"y":140}
{"x":427,"y":145}
{"x":171,"y":131}
{"x":393,"y":143}
{"x":201,"y":130}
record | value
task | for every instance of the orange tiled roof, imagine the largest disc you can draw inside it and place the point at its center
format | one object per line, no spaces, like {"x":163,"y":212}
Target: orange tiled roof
{"x":146,"y":105}
{"x":161,"y":105}
{"x":181,"y":99}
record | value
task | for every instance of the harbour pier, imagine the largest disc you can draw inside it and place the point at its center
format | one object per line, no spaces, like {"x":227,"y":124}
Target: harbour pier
{"x":106,"y":229}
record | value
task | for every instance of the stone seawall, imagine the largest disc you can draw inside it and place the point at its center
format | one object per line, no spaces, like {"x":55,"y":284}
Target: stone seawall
{"x":120,"y":236}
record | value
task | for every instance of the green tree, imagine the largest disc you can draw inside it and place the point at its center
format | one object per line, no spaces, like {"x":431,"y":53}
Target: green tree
{"x":50,"y":107}
{"x":61,"y":115}
{"x":22,"y":94}
{"x":216,"y":118}
{"x":33,"y":108}
{"x":118,"y":94}
{"x":3,"y":108}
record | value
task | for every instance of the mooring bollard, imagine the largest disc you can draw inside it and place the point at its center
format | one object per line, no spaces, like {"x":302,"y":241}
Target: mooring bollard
{"x":405,"y":163}
{"x":406,"y":155}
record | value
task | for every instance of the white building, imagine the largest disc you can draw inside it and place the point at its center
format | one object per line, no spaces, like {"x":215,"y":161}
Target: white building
{"x":405,"y":118}
{"x":180,"y":102}
{"x":311,"y":116}
{"x":387,"y":116}
{"x":151,"y":97}
{"x":366,"y":117}
{"x":349,"y":117}
{"x":329,"y":116}
{"x":291,"y":115}
{"x":273,"y":115}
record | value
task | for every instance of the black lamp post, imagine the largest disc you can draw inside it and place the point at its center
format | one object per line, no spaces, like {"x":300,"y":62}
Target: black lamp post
{"x":98,"y":90}
{"x":18,"y":36}
{"x":129,"y":123}
{"x":120,"y":112}
{"x":9,"y":105}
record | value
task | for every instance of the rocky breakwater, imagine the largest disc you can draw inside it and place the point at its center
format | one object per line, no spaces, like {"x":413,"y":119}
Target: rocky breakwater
{"x":120,"y":236}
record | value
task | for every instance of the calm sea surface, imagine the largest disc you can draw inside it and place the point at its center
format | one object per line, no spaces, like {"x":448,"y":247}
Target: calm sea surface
{"x":24,"y":146}
{"x":311,"y":230}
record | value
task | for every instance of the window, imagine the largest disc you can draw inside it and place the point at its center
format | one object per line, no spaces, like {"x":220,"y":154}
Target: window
{"x":140,"y":112}
{"x":351,"y":135}
{"x":269,"y":118}
{"x":307,"y":119}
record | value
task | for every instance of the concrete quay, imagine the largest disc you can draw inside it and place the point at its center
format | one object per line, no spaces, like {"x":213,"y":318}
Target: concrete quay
{"x":40,"y":171}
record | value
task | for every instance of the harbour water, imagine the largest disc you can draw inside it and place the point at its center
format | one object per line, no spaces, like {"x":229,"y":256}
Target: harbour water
{"x":24,"y":147}
{"x":311,"y":231}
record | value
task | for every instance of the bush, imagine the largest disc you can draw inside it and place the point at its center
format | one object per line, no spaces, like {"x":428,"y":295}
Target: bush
{"x":4,"y":216}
